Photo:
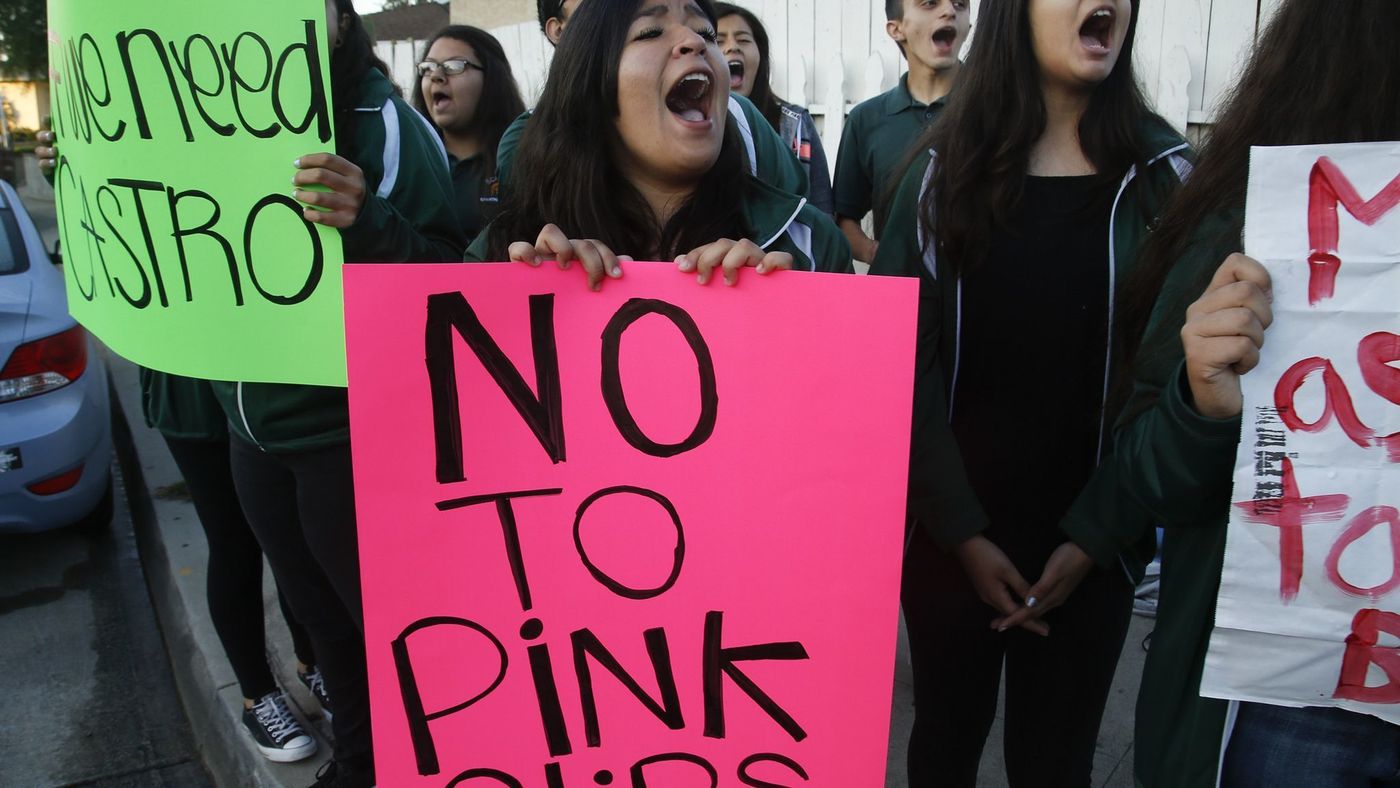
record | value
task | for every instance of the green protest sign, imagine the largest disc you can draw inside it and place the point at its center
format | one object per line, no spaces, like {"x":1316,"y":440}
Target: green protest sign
{"x":177,"y":126}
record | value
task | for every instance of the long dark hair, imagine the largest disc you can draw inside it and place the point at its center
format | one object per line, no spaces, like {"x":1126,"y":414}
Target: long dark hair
{"x":1323,"y":72}
{"x":993,"y":119}
{"x":566,"y":173}
{"x":500,"y":103}
{"x":350,"y":61}
{"x":769,"y":105}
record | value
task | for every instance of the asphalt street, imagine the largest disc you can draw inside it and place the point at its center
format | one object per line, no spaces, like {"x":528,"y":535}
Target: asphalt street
{"x":88,"y":697}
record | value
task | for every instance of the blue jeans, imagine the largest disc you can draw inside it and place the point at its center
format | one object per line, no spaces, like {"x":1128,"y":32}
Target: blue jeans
{"x":1281,"y":747}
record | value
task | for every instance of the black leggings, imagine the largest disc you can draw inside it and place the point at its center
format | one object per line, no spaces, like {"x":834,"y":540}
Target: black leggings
{"x":234,"y":585}
{"x":1056,"y":687}
{"x":302,"y":507}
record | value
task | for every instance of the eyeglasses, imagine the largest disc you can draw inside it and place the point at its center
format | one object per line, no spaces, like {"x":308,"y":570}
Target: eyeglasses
{"x":449,"y":68}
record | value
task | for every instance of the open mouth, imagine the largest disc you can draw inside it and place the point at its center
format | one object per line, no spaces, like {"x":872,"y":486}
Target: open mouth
{"x":736,"y":74}
{"x":1097,"y":31}
{"x":945,"y":36}
{"x":439,"y":99}
{"x":690,"y":98}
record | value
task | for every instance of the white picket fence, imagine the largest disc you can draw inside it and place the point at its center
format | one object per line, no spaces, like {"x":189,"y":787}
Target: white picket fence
{"x":832,"y":54}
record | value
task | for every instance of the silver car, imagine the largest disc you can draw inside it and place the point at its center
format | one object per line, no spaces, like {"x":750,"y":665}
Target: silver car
{"x":55,"y":415}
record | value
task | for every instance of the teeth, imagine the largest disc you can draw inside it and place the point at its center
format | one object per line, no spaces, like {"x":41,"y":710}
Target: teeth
{"x":1102,"y":13}
{"x":696,"y":78}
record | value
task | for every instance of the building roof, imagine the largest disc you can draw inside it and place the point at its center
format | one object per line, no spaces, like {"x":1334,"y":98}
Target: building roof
{"x":417,"y":22}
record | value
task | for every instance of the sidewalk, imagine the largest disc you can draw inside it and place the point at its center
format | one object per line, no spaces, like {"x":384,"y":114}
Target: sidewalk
{"x":174,"y":554}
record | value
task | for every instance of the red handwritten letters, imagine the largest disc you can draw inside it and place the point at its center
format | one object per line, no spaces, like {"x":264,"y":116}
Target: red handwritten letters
{"x":1370,"y":651}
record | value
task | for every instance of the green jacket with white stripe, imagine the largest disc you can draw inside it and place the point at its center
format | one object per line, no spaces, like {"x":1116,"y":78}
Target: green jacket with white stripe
{"x":408,"y":215}
{"x":941,"y":500}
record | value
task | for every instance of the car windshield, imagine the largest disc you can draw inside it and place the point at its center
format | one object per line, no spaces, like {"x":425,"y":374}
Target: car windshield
{"x":12,"y":259}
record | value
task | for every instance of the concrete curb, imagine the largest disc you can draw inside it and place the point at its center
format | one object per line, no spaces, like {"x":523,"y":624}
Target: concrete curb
{"x":174,"y":554}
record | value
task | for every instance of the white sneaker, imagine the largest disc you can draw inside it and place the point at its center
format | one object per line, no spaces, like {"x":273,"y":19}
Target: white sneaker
{"x":277,"y":734}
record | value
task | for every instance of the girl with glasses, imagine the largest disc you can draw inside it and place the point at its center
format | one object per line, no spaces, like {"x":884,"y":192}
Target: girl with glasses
{"x":466,"y":88}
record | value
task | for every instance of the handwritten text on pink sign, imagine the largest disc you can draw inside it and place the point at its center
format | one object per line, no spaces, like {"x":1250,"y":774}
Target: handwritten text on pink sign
{"x":649,"y":536}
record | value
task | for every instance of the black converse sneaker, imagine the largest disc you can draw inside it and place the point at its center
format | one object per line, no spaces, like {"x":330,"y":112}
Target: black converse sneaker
{"x":313,"y":681}
{"x":275,"y":731}
{"x":337,"y":774}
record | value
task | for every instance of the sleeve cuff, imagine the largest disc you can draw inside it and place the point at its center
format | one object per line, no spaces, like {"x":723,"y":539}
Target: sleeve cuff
{"x":1099,"y":545}
{"x":1196,"y":426}
{"x":950,"y":530}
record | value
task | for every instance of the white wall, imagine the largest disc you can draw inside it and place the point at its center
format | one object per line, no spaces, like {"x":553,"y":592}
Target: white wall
{"x":835,"y":53}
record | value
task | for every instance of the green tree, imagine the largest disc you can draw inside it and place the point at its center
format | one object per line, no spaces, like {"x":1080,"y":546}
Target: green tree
{"x":24,"y":50}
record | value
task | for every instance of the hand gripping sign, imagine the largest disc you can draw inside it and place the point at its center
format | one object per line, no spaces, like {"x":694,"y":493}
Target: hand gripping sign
{"x":649,"y":536}
{"x":1307,"y":614}
{"x":177,"y":127}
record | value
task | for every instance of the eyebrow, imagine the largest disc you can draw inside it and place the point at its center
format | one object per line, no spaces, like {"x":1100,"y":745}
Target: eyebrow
{"x":691,"y":9}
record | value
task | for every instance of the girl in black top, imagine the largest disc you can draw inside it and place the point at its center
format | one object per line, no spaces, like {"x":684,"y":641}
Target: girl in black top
{"x":1046,"y":170}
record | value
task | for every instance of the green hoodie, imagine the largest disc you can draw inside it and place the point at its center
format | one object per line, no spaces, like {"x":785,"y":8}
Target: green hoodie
{"x":777,"y":221}
{"x":1178,"y":466}
{"x":769,"y":158}
{"x":408,"y":215}
{"x":940,"y":498}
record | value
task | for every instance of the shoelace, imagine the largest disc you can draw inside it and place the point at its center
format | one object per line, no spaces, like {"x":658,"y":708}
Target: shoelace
{"x":275,"y":717}
{"x":318,"y":685}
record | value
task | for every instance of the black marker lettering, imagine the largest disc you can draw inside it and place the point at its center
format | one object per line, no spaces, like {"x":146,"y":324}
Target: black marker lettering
{"x":499,"y":776}
{"x":317,"y":108}
{"x":509,"y":531}
{"x":616,"y":400}
{"x":556,"y":731}
{"x":89,"y":97}
{"x":137,"y":187}
{"x":768,"y":757}
{"x":205,"y":229}
{"x":639,"y":779}
{"x":424,"y":750}
{"x":719,"y":661}
{"x":677,"y":558}
{"x":197,"y":90}
{"x":318,"y":255}
{"x":586,"y":645}
{"x":544,"y":414}
{"x":145,"y":298}
{"x":138,"y":104}
{"x":237,"y":81}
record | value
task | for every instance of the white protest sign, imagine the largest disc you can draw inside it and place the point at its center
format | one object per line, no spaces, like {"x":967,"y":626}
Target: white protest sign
{"x":1307,"y":613}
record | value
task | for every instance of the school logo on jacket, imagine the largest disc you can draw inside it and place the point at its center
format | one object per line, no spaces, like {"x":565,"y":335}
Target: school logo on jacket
{"x":492,"y":191}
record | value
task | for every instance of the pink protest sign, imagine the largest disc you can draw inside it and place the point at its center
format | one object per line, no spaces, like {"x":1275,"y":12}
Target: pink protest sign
{"x":644,"y":537}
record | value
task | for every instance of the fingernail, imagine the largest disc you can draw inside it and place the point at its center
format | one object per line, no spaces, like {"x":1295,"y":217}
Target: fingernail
{"x":296,"y":163}
{"x":684,"y":262}
{"x":1031,"y":601}
{"x":762,"y":269}
{"x":616,"y":271}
